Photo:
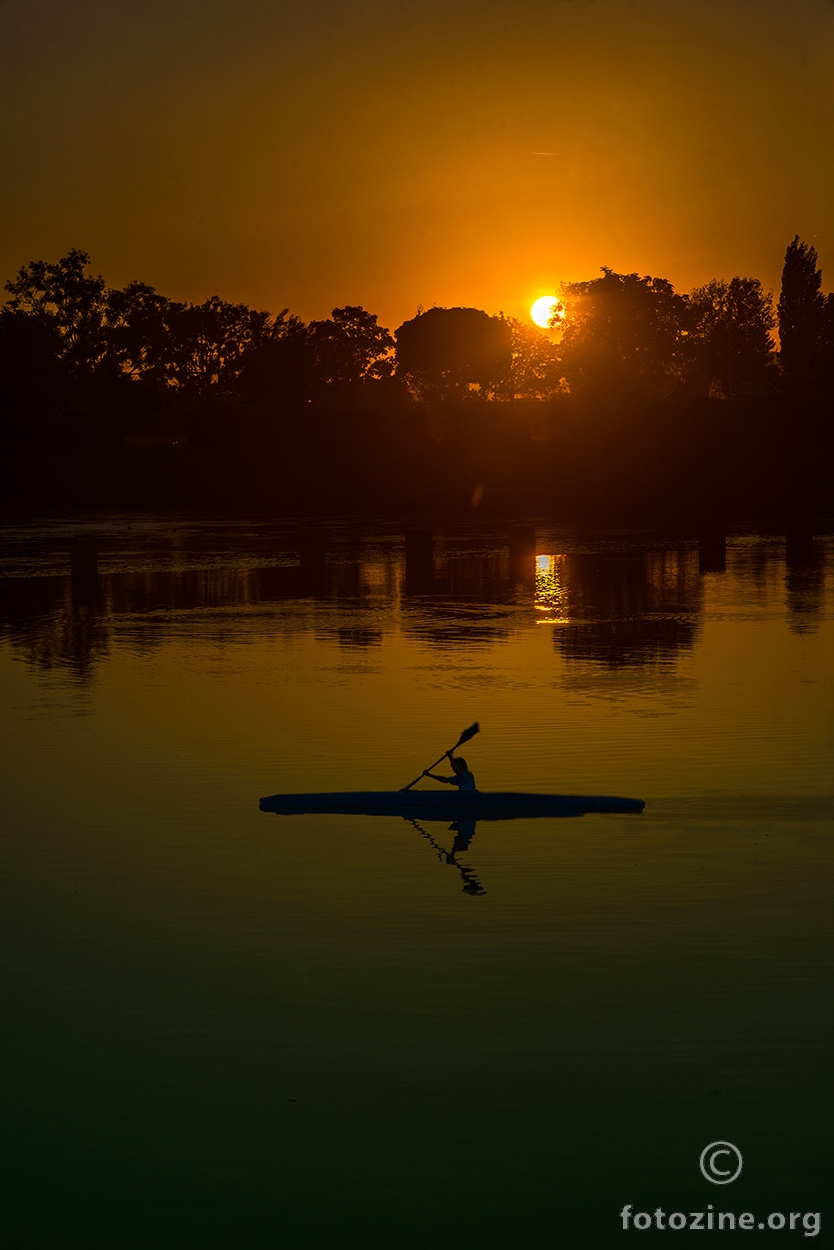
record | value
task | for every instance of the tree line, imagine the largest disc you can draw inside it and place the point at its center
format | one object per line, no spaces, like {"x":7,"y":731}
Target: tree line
{"x":65,"y":336}
{"x":82,"y":362}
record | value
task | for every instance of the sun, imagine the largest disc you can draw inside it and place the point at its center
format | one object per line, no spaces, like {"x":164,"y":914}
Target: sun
{"x":543,"y":310}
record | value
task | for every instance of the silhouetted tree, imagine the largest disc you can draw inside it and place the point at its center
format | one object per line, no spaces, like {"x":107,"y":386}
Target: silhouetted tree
{"x":623,"y":336}
{"x":801,"y":307}
{"x":280,"y":371}
{"x":536,"y":370}
{"x":351,"y":349}
{"x":459,"y":353}
{"x":63,"y":296}
{"x":826,"y":353}
{"x":729,"y":343}
{"x":141,"y":325}
{"x":211,"y":342}
{"x":33,"y":377}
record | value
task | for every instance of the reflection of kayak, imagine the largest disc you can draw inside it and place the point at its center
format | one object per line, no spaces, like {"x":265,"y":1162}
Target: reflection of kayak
{"x":433,"y":805}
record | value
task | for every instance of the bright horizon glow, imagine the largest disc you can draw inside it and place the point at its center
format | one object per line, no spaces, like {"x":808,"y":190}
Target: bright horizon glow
{"x":542,"y":310}
{"x":476,"y":188}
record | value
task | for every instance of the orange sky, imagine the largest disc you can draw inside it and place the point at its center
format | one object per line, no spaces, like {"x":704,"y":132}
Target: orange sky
{"x":318,"y":153}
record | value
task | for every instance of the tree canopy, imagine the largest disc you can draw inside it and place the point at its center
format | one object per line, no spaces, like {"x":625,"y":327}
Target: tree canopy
{"x":536,"y":366}
{"x":458,"y":353}
{"x":623,"y":336}
{"x":802,"y":317}
{"x":65,"y":297}
{"x":350,"y":348}
{"x":730,"y":349}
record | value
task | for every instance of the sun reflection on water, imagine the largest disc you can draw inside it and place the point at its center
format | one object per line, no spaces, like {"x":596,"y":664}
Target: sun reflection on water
{"x":551,"y":591}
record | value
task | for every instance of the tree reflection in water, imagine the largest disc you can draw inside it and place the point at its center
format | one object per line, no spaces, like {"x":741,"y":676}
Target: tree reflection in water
{"x":620,"y":610}
{"x":612,"y":602}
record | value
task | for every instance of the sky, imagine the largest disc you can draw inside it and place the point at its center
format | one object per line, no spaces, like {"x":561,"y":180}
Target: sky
{"x":307,"y":154}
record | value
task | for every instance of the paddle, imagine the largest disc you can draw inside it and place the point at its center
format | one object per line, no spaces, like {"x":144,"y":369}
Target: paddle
{"x":464,"y":737}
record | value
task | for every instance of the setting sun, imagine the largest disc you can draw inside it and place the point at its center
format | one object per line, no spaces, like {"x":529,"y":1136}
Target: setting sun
{"x":543,"y":309}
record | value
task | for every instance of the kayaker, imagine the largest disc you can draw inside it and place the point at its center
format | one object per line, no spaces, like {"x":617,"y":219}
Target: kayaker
{"x":463,"y":779}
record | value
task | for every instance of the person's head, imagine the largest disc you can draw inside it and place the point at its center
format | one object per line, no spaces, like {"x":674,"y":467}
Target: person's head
{"x":458,"y":763}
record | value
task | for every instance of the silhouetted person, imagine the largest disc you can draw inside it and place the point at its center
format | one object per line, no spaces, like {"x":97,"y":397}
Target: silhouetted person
{"x":463,"y":779}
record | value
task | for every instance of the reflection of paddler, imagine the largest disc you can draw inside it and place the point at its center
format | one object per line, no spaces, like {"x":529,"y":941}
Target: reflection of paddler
{"x":463,"y":779}
{"x":464,"y":831}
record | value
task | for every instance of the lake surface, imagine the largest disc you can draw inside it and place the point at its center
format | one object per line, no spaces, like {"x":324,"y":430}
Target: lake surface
{"x":230,"y":1028}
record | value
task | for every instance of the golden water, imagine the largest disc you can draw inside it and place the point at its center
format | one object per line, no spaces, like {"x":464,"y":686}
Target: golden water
{"x":227,"y":1028}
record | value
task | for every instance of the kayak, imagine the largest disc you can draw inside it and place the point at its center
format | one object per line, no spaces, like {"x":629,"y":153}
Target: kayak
{"x":435,"y":805}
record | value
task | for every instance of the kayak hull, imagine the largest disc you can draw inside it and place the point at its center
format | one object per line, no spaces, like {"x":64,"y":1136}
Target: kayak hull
{"x":433,"y":805}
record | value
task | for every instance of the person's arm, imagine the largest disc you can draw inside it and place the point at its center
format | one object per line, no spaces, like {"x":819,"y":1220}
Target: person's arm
{"x":447,"y":781}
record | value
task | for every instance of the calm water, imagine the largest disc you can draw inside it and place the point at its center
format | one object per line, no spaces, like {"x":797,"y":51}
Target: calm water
{"x":227,"y":1028}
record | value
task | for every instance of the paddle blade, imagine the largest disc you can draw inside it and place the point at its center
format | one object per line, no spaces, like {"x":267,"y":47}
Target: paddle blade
{"x":467,"y":734}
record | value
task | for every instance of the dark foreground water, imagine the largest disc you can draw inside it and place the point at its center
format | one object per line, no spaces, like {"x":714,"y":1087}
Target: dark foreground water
{"x":224,"y":1028}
